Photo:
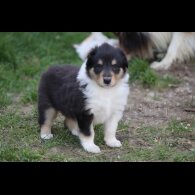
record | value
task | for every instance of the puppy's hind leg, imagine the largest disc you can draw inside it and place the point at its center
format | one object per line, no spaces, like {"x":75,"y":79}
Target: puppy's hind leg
{"x":72,"y":126}
{"x":46,"y":118}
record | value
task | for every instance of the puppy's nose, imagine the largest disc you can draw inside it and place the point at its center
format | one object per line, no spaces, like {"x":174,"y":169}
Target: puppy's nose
{"x":107,"y":80}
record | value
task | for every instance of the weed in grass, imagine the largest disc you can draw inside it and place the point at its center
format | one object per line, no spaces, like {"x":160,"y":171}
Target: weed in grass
{"x":181,"y":127}
{"x":141,"y":72}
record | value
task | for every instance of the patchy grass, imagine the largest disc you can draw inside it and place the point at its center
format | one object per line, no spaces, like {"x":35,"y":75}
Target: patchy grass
{"x":141,"y":72}
{"x":23,"y":57}
{"x":173,"y":143}
{"x":20,"y":142}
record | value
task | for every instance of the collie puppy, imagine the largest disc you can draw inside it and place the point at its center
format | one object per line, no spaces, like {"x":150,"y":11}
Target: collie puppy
{"x":94,"y":94}
{"x":177,"y":47}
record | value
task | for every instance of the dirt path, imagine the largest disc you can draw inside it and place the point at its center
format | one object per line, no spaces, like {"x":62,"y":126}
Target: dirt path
{"x":148,"y":107}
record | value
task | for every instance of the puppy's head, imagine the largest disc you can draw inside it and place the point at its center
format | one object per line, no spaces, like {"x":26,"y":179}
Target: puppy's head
{"x":106,"y":65}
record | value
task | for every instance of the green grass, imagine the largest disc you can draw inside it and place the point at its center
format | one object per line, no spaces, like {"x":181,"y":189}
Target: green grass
{"x":7,"y":55}
{"x":20,"y":142}
{"x":23,"y":57}
{"x":141,"y":72}
{"x":110,"y":35}
{"x":174,"y":143}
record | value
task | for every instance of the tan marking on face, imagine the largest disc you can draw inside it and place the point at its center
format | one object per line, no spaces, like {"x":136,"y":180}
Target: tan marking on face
{"x":100,"y":62}
{"x":50,"y":115}
{"x":120,"y":75}
{"x":114,"y":62}
{"x":117,"y":77}
{"x":97,"y":78}
{"x":92,"y":74}
{"x":100,"y":80}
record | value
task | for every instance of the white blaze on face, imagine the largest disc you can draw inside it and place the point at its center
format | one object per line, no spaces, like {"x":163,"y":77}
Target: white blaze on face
{"x":114,"y":62}
{"x":100,"y":62}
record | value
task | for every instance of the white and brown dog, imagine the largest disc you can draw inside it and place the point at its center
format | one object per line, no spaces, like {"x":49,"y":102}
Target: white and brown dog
{"x":178,"y":47}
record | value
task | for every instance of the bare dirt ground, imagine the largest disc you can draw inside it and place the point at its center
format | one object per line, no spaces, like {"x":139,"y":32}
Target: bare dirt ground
{"x":156,"y":109}
{"x":148,"y":107}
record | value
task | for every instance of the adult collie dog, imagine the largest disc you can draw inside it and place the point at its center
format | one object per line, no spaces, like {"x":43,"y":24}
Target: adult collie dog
{"x":95,"y":93}
{"x":176,"y":46}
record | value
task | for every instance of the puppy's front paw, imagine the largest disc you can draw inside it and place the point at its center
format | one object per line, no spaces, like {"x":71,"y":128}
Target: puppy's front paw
{"x":46,"y":136}
{"x":91,"y":148}
{"x":75,"y":132}
{"x":114,"y":143}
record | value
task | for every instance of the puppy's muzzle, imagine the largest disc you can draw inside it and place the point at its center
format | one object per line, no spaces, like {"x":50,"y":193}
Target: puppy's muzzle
{"x":107,"y":80}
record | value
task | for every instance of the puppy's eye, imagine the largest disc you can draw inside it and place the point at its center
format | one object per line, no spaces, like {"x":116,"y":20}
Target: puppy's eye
{"x":98,"y":69}
{"x":116,"y":69}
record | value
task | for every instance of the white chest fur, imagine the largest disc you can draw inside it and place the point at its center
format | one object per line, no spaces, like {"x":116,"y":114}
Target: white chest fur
{"x":104,"y":103}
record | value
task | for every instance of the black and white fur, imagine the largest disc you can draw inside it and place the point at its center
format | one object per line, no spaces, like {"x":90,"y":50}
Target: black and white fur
{"x":177,"y":46}
{"x":94,"y":94}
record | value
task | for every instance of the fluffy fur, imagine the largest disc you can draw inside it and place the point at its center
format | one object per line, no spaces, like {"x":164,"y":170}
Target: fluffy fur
{"x":177,"y":46}
{"x":94,"y":94}
{"x":95,"y":39}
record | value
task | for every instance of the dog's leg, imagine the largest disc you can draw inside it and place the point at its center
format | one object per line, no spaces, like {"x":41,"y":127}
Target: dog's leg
{"x":88,"y":141}
{"x":110,"y":132}
{"x":72,"y":126}
{"x":86,"y":134}
{"x":49,"y":115}
{"x":174,"y":52}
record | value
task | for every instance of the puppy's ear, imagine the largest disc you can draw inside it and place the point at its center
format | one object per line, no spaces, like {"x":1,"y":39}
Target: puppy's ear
{"x":90,"y":56}
{"x":92,"y":52}
{"x":124,"y":60}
